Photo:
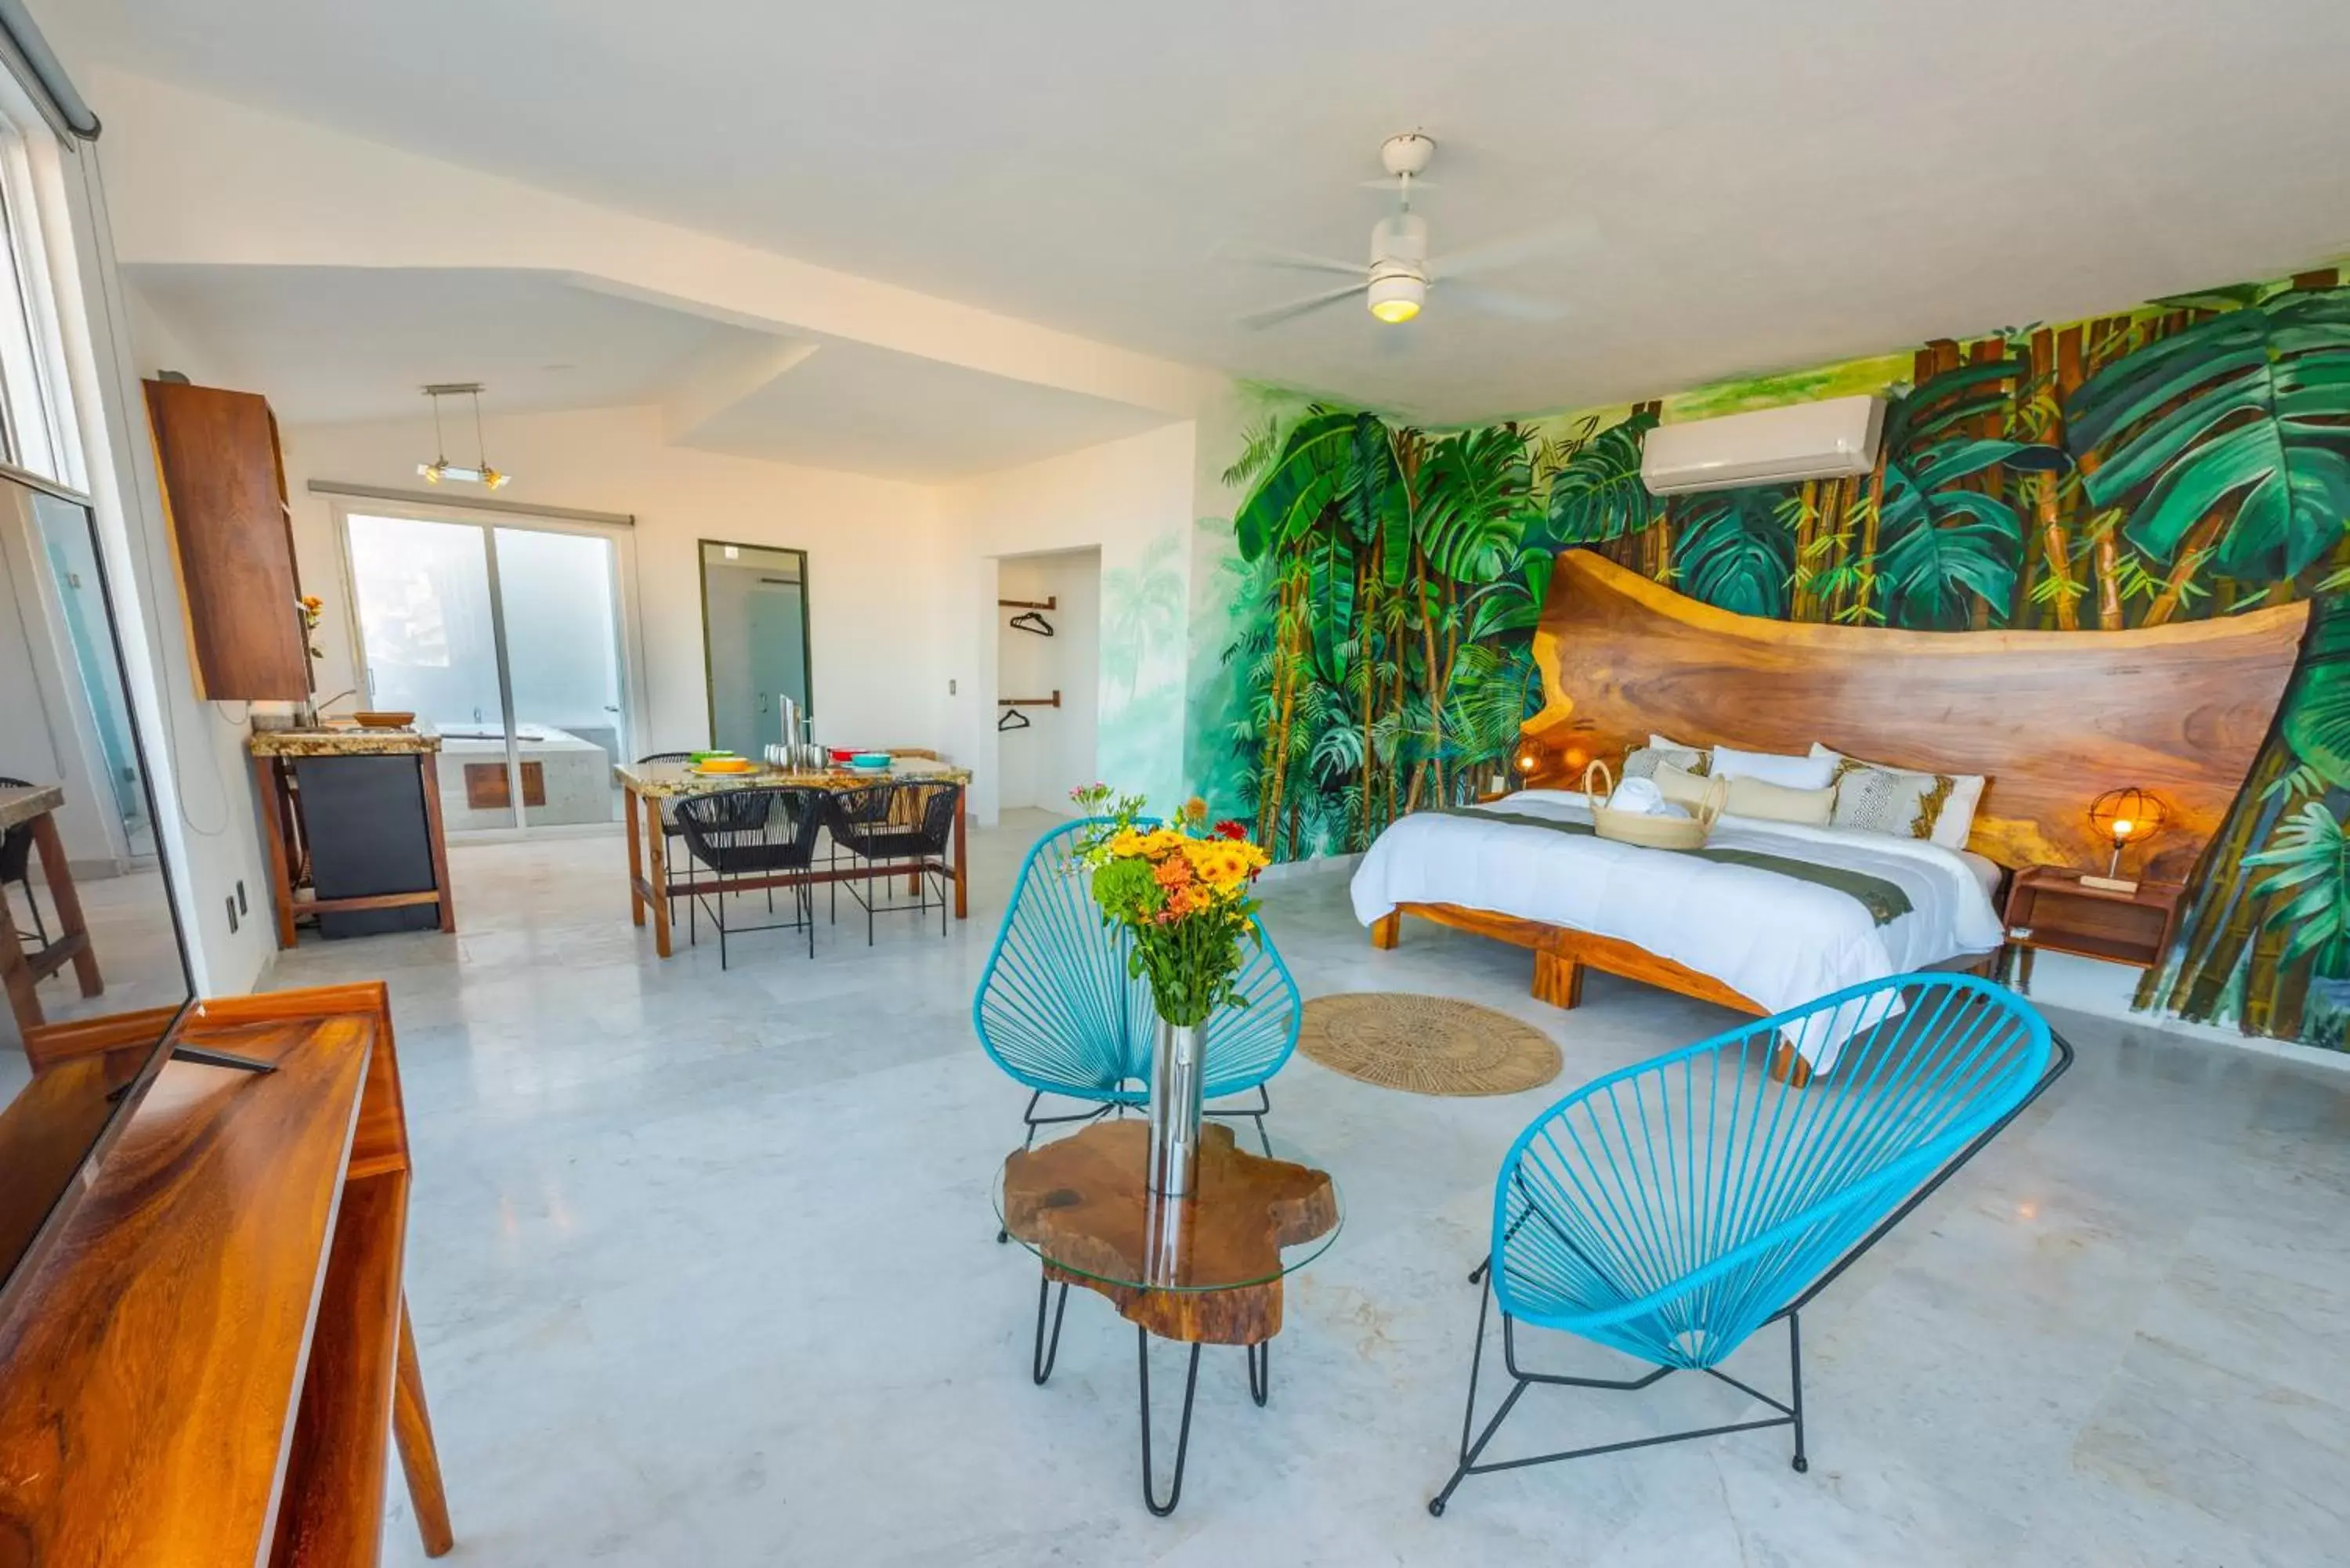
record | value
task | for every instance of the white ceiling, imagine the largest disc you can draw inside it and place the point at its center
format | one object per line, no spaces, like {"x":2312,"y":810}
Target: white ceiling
{"x":1770,"y":184}
{"x":346,"y":343}
{"x":334,"y":344}
{"x":871,"y":410}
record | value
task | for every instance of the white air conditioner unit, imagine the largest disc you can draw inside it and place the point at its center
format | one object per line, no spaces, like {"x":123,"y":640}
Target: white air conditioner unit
{"x":1769,"y":446}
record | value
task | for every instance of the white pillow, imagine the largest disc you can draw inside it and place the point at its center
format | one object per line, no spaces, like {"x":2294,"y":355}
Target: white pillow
{"x":1907,"y":794}
{"x":1810,"y":772}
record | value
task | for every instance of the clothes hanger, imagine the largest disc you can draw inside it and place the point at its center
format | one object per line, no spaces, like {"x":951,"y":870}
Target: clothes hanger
{"x":1013,"y":719}
{"x":1029,"y":620}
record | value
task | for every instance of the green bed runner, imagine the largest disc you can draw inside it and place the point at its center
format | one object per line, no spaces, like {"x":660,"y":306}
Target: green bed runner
{"x":1885,"y":902}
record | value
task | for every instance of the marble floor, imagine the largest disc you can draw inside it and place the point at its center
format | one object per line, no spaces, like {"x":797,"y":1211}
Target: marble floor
{"x":704,"y":1272}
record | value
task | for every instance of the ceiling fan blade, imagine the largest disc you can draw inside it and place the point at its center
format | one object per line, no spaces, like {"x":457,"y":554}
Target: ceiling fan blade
{"x":1552,"y":241}
{"x":1495,"y":302}
{"x":1274,"y":255}
{"x":1295,"y":307}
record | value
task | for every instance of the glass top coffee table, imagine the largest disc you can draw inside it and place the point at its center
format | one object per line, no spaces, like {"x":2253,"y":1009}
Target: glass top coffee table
{"x":1200,"y":1270}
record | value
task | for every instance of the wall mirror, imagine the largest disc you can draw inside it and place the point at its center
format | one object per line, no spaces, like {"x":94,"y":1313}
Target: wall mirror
{"x":754,"y":641}
{"x":87,"y":924}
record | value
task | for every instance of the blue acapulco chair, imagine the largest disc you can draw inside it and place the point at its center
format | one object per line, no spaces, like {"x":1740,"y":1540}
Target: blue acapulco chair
{"x":1057,"y":1011}
{"x":1672,"y":1209}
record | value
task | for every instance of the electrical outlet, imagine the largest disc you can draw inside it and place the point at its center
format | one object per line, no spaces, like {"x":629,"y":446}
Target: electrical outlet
{"x":951,"y":688}
{"x":242,"y":908}
{"x":232,"y":915}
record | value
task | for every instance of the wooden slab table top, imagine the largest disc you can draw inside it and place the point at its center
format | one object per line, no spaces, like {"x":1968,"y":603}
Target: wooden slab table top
{"x":1202,"y":1270}
{"x":645,"y":785}
{"x":23,"y":969}
{"x":212,"y":1361}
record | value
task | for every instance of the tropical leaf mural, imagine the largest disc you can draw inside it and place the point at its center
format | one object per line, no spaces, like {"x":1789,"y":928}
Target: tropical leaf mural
{"x":2188,"y":457}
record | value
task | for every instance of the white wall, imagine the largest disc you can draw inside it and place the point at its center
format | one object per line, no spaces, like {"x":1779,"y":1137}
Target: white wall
{"x":195,"y":750}
{"x":1038,"y":766}
{"x":875,"y":551}
{"x":1132,"y":501}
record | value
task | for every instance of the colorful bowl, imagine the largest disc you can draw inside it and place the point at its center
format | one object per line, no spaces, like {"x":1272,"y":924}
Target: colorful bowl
{"x":869,"y":760}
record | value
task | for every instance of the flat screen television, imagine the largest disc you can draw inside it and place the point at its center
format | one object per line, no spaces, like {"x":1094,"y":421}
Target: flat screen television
{"x":87,"y":923}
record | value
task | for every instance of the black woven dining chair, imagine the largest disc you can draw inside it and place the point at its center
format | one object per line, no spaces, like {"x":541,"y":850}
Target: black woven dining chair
{"x":750,"y":836}
{"x":670,"y":834}
{"x":16,"y":866}
{"x":900,"y":829}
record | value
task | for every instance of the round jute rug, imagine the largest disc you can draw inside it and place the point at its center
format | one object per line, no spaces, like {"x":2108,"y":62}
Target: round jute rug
{"x":1426,"y":1044}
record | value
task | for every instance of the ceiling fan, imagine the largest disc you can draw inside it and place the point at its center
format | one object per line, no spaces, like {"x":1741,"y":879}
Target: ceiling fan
{"x":1396,"y":282}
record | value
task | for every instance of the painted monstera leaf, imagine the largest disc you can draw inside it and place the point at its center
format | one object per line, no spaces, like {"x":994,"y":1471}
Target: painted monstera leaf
{"x":1939,"y":539}
{"x":2251,"y":406}
{"x":1737,"y":552}
{"x":1598,"y":496}
{"x":2316,"y":717}
{"x":1937,"y":542}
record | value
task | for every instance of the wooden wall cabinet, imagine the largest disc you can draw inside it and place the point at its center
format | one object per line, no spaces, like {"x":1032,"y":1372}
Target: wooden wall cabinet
{"x":223,"y":482}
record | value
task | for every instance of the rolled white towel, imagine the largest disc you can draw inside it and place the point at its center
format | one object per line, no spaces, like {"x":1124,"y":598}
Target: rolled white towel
{"x":1643,"y":798}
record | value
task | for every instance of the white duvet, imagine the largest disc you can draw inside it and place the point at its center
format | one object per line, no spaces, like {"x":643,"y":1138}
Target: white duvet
{"x":1776,"y":939}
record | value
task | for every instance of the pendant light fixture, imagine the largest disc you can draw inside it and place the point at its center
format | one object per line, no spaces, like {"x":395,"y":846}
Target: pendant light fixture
{"x":440,"y":468}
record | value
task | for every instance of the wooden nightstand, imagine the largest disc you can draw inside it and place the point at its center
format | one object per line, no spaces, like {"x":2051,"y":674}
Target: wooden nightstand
{"x":2048,"y":908}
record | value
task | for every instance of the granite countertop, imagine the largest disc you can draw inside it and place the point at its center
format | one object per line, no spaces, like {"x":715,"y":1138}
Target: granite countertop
{"x":21,"y":803}
{"x":341,"y":741}
{"x":665,"y":780}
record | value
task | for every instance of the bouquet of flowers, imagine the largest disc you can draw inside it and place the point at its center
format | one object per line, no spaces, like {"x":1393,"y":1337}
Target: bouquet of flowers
{"x":311,"y":608}
{"x":1181,"y":888}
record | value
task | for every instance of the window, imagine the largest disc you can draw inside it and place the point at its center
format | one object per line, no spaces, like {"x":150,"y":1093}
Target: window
{"x":36,"y":429}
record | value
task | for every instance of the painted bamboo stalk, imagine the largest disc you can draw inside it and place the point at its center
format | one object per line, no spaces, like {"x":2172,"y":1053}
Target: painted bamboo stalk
{"x":2055,"y":546}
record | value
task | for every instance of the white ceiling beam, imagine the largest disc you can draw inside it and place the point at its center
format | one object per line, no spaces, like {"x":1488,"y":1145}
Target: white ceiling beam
{"x":720,"y":380}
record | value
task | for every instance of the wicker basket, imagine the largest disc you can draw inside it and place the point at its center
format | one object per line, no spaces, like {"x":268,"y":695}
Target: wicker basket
{"x":1651,"y":831}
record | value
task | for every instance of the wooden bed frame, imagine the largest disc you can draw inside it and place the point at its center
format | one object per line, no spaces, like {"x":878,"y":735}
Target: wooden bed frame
{"x":2052,"y":717}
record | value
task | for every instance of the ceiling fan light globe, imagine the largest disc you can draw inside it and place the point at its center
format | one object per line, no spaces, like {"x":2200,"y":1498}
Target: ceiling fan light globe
{"x":1395,"y":299}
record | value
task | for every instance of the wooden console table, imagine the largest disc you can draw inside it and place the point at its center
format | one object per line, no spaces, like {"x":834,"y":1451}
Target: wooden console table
{"x":208,"y":1366}
{"x":286,"y":838}
{"x":22,"y":970}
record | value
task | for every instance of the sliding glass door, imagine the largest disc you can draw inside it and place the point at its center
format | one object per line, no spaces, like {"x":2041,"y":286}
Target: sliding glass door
{"x":506,"y":638}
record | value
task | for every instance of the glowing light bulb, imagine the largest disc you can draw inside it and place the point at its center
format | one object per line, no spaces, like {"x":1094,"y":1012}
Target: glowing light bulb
{"x":2123,"y":828}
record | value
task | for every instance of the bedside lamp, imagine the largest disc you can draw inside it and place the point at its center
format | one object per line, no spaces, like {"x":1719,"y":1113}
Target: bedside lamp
{"x":2122,"y":817}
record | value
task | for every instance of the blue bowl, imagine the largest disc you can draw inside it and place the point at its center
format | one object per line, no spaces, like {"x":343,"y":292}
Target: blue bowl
{"x":869,"y":760}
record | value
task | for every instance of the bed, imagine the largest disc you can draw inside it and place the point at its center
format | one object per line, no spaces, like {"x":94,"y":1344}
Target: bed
{"x":2052,"y":717}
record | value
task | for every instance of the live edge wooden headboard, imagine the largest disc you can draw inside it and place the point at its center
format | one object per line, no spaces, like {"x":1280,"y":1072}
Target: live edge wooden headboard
{"x":2052,"y":717}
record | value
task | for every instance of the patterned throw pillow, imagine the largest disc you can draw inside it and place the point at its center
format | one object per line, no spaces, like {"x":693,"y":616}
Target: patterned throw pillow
{"x":1642,"y":762}
{"x":1873,"y":798}
{"x":1881,"y":800}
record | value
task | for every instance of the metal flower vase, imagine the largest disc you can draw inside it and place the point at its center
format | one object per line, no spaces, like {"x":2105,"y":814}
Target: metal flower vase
{"x":1177,"y":1077}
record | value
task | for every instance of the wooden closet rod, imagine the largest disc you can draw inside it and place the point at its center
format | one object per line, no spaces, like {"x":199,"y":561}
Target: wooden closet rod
{"x":1051,"y":702}
{"x":1054,"y":602}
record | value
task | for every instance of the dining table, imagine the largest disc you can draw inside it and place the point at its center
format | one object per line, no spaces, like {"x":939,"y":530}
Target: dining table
{"x":646,"y":785}
{"x":31,"y":809}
